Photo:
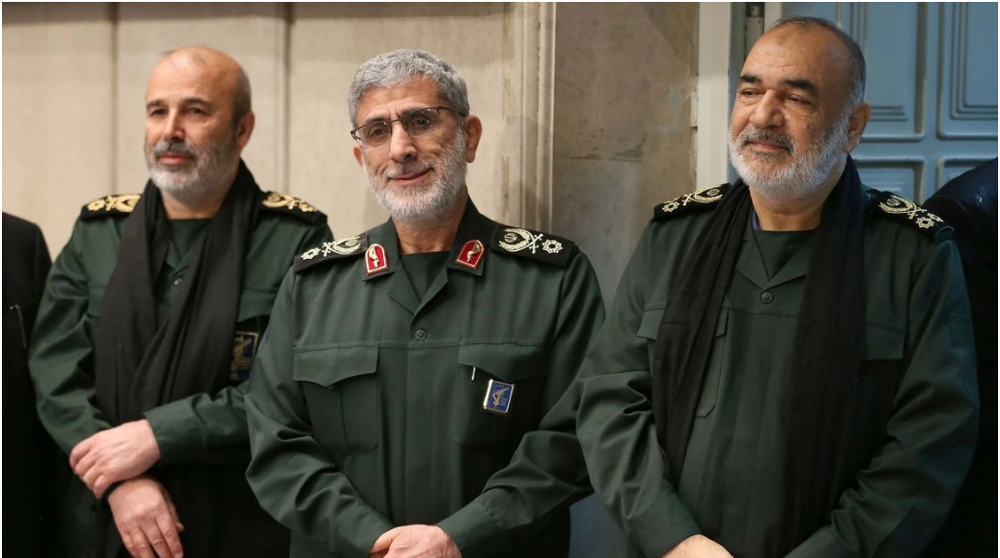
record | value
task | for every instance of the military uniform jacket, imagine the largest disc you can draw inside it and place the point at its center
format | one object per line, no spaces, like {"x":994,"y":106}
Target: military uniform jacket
{"x":367,"y":404}
{"x":62,"y":357}
{"x":917,"y":327}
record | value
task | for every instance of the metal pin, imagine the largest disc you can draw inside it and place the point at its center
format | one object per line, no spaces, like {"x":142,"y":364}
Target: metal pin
{"x":473,"y":373}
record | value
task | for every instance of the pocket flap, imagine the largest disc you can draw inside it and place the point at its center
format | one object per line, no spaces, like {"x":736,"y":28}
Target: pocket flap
{"x":506,"y":361}
{"x":651,"y":319}
{"x":328,"y":366}
{"x":255,"y":302}
{"x":883,"y":342}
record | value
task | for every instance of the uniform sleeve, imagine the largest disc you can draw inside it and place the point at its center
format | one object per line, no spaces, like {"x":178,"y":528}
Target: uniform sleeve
{"x":903,"y":497}
{"x":62,"y":351}
{"x":547,"y":472}
{"x":212,"y":428}
{"x":294,"y":479}
{"x":615,"y":422}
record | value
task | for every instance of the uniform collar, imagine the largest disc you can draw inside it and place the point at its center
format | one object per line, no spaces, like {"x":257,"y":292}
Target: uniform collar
{"x":473,"y":226}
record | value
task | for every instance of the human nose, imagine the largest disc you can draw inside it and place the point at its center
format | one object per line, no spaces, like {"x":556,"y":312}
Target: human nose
{"x":173,"y":128}
{"x":767,"y":113}
{"x":401,"y":145}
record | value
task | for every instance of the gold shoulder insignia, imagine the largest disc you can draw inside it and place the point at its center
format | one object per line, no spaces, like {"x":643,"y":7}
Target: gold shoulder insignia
{"x":335,"y":249}
{"x":905,"y":211}
{"x":536,"y":245}
{"x":110,"y":205}
{"x":290,"y":205}
{"x":690,"y":203}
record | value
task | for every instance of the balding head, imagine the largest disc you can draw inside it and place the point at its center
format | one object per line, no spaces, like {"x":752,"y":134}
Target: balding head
{"x":222,"y":66}
{"x":198,"y":120}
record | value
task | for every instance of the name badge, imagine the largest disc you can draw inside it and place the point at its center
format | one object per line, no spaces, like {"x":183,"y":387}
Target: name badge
{"x":244,"y":349}
{"x":498,"y":397}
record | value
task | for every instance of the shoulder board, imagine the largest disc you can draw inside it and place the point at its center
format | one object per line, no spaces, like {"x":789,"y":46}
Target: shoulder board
{"x":907,"y":212}
{"x":536,"y":245}
{"x":290,"y":205}
{"x":695,"y":202}
{"x":329,"y":251}
{"x":114,"y":204}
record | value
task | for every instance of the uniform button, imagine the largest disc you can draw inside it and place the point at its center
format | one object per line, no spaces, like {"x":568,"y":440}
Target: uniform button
{"x":178,"y":281}
{"x":420,"y":335}
{"x":766,"y":297}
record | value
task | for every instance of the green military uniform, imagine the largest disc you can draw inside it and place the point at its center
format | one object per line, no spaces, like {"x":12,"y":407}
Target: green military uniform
{"x":916,"y":316}
{"x":388,"y":390}
{"x":69,"y":319}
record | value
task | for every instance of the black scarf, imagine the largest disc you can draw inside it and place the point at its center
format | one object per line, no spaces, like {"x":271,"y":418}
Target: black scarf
{"x":140,"y":365}
{"x":822,"y":451}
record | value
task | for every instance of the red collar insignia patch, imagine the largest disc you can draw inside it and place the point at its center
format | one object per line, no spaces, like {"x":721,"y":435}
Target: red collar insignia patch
{"x":471,"y":254}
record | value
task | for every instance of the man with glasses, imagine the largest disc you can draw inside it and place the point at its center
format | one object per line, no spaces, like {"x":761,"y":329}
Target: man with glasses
{"x":404,"y":365}
{"x":787,"y":368}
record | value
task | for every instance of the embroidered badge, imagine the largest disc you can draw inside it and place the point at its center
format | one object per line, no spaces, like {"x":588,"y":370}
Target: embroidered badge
{"x":124,"y":203}
{"x":375,"y":260}
{"x":895,"y":205}
{"x":516,"y":240}
{"x":244,"y":350}
{"x":498,"y":397}
{"x":342,"y":248}
{"x":275,"y":200}
{"x":709,"y":196}
{"x":471,"y":254}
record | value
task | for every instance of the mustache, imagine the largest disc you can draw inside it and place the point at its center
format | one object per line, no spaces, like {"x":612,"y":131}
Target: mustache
{"x":407,"y":169}
{"x":177,"y":147}
{"x":747,"y":136}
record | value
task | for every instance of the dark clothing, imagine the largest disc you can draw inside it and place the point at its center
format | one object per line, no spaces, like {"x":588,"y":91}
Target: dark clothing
{"x":367,"y":403}
{"x":969,"y":204}
{"x":916,"y":330}
{"x":29,"y":455}
{"x":202,"y":437}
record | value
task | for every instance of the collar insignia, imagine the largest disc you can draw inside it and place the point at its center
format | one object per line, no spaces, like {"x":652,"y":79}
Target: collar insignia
{"x":375,"y":260}
{"x":471,"y":254}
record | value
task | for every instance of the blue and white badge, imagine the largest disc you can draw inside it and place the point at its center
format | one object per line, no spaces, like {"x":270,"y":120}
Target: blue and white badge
{"x":498,"y":397}
{"x":244,"y":349}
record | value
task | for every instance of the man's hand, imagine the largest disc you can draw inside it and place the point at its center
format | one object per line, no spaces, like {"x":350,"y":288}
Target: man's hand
{"x":415,"y":541}
{"x":146,"y":519}
{"x":114,"y":455}
{"x":697,"y":546}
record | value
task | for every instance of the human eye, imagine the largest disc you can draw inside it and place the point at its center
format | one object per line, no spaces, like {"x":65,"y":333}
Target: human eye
{"x":376,"y":132}
{"x":156,"y":112}
{"x":421,"y":120}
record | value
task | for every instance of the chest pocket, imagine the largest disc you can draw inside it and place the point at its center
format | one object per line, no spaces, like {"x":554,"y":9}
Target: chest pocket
{"x":524,"y":367}
{"x":648,"y":329}
{"x":341,"y":394}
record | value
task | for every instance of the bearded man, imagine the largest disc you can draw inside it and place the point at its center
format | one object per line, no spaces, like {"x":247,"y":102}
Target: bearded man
{"x":405,"y":364}
{"x":149,"y":323}
{"x":788,"y":366}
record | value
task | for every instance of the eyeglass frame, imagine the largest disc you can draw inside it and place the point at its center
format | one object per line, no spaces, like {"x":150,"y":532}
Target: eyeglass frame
{"x":354,"y":132}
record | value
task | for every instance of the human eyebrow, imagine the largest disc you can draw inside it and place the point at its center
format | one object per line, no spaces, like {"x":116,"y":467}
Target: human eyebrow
{"x":803,"y":84}
{"x":749,"y":78}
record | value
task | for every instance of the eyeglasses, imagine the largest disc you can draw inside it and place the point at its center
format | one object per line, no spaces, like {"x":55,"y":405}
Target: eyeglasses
{"x":416,"y":123}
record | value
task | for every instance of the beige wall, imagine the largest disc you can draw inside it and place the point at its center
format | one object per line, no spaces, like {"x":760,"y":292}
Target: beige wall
{"x":586,"y":107}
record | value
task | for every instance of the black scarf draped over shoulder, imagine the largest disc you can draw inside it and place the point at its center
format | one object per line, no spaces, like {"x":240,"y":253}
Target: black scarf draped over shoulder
{"x":825,"y":446}
{"x":141,"y":365}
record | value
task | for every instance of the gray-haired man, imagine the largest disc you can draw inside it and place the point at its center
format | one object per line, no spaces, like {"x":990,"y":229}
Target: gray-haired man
{"x":404,"y":364}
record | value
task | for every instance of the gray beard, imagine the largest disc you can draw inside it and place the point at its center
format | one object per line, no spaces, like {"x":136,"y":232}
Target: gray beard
{"x":802,"y":178}
{"x":424,"y":204}
{"x":210,"y":178}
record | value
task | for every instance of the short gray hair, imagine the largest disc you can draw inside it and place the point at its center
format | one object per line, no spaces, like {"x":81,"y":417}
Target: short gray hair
{"x":403,"y":65}
{"x":857,"y":68}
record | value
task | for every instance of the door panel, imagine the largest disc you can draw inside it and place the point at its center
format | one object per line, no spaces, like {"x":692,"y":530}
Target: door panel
{"x":932,"y":85}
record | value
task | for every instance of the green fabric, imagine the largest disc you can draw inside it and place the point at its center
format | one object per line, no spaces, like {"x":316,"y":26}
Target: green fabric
{"x":66,"y":333}
{"x":916,"y":314}
{"x":776,"y":248}
{"x":423,"y":269}
{"x":365,"y":403}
